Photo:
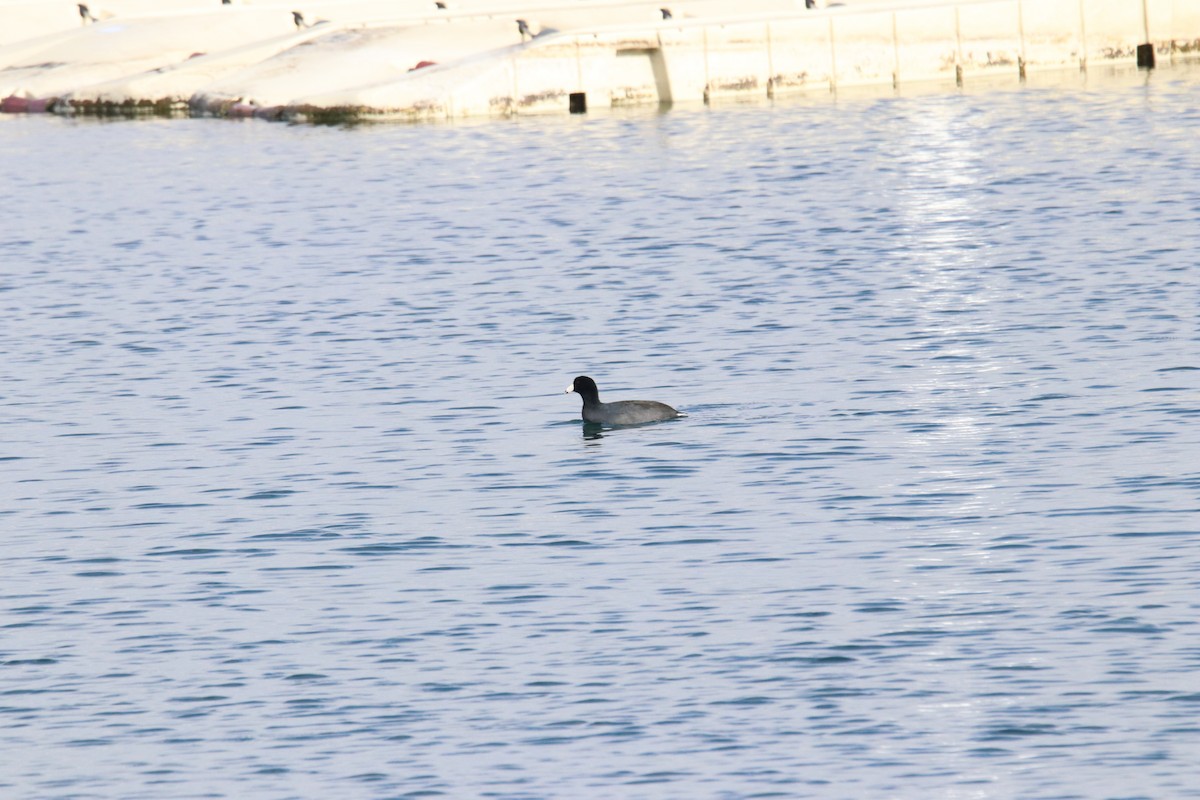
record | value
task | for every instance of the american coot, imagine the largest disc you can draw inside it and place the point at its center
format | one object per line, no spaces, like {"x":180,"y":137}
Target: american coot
{"x":622,"y":412}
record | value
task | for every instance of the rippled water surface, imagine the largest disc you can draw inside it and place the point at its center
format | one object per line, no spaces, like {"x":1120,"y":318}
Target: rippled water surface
{"x":292,"y":504}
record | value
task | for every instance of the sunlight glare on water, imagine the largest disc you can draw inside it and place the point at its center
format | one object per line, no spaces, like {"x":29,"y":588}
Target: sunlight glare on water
{"x":294,"y":505}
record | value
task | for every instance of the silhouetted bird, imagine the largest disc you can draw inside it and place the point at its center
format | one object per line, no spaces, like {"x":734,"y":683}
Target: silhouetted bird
{"x":85,"y":13}
{"x":298,"y":18}
{"x":666,"y":12}
{"x":810,"y":3}
{"x":440,"y":5}
{"x":523,"y":29}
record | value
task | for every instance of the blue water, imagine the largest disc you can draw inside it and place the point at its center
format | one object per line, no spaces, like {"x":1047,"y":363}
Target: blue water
{"x":292,"y":503}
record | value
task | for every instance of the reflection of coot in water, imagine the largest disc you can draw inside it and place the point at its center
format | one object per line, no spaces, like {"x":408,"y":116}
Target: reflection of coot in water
{"x":622,"y":412}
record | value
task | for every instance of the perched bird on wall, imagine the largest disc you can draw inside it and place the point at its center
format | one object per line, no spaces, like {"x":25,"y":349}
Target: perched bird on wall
{"x":298,"y":18}
{"x":440,"y":5}
{"x":523,"y":29}
{"x":666,"y":12}
{"x":85,"y":13}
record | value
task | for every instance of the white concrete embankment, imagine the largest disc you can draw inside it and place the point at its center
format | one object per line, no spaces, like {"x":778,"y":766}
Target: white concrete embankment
{"x":411,"y":59}
{"x":325,"y":64}
{"x":117,"y":47}
{"x":143,"y":46}
{"x":389,"y":53}
{"x":768,"y":55}
{"x":169,"y":87}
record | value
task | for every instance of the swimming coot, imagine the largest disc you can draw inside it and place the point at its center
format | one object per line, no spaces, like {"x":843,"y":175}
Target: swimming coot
{"x":622,"y":412}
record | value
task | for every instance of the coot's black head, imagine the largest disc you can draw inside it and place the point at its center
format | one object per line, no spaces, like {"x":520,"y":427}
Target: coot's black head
{"x":586,"y":388}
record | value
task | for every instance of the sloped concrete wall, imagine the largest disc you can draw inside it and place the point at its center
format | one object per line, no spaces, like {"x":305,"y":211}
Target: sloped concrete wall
{"x":769,"y":55}
{"x":824,"y":51}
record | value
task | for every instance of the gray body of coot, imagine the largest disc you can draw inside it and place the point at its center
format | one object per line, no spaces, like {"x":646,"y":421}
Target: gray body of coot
{"x":622,"y":412}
